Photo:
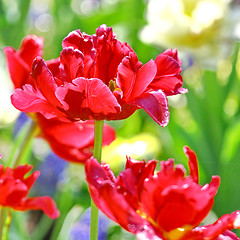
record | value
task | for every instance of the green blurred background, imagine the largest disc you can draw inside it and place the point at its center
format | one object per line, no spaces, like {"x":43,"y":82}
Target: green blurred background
{"x":207,"y":118}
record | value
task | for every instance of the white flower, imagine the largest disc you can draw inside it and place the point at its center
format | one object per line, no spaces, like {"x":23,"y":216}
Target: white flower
{"x":196,"y":26}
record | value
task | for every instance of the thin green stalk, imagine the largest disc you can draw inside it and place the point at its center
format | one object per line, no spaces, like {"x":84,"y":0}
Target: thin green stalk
{"x":4,"y":224}
{"x":97,"y":153}
{"x":2,"y":220}
{"x":25,"y":144}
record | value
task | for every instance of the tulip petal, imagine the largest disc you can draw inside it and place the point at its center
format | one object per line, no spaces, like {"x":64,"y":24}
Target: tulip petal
{"x":22,"y":170}
{"x":104,"y":194}
{"x":72,"y":141}
{"x":12,"y":191}
{"x":167,"y":65}
{"x":141,"y":169}
{"x":133,"y":78}
{"x":31,"y":47}
{"x":228,"y":235}
{"x":109,"y":53}
{"x":126,"y":111}
{"x":72,"y":61}
{"x":155,"y":104}
{"x":148,"y":233}
{"x":19,"y":62}
{"x":213,"y":186}
{"x":212,"y":231}
{"x":84,"y":43}
{"x":53,"y":66}
{"x":45,"y":80}
{"x":90,"y":99}
{"x":80,"y":41}
{"x":126,"y":77}
{"x":144,"y":77}
{"x":168,"y":77}
{"x":192,"y":162}
{"x":170,"y":85}
{"x":44,"y":203}
{"x":18,"y":69}
{"x":130,"y":181}
{"x":30,"y":100}
{"x":173,"y":54}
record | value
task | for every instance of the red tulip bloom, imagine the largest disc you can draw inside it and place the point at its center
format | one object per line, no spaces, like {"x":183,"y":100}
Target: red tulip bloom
{"x":72,"y":141}
{"x":99,"y":77}
{"x":14,"y":188}
{"x":166,"y":205}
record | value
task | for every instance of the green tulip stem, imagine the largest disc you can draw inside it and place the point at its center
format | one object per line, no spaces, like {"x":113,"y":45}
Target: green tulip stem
{"x":2,"y":220}
{"x":97,"y":153}
{"x":5,"y":220}
{"x":25,"y":143}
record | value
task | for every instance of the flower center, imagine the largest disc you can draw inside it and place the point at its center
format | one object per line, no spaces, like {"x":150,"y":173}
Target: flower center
{"x":113,"y":86}
{"x":177,"y":233}
{"x":144,"y":215}
{"x":174,"y":234}
{"x":189,"y":7}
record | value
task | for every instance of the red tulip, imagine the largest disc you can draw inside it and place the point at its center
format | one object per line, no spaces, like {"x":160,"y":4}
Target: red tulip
{"x":14,"y":188}
{"x":99,"y":77}
{"x":166,"y":205}
{"x":72,"y":141}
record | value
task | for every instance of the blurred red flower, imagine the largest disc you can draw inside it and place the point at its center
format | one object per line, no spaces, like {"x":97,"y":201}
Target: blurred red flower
{"x":14,"y":189}
{"x":73,"y":141}
{"x":98,"y":77}
{"x":19,"y":61}
{"x":165,"y":205}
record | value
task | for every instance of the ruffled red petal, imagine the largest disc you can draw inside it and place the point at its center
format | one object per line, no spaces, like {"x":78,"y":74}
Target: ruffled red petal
{"x":215,"y":230}
{"x":130,"y":182}
{"x":72,"y":61}
{"x":104,"y":193}
{"x":88,"y":99}
{"x":168,"y":77}
{"x":155,"y":104}
{"x":30,"y":100}
{"x":133,"y":78}
{"x":109,"y":53}
{"x":192,"y":161}
{"x":45,"y":81}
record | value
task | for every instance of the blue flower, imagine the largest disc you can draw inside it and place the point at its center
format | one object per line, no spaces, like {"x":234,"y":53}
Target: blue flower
{"x":51,"y":169}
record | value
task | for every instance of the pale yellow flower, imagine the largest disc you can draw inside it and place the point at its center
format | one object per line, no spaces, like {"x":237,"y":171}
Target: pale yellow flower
{"x":197,"y":26}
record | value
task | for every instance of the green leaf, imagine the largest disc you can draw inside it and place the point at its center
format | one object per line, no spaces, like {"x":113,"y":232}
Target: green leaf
{"x":70,"y":219}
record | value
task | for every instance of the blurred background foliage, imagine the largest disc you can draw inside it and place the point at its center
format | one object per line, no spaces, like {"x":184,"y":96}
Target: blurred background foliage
{"x":207,"y":118}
